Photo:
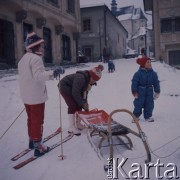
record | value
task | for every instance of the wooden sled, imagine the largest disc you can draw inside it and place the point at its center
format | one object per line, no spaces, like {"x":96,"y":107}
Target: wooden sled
{"x":102,"y":125}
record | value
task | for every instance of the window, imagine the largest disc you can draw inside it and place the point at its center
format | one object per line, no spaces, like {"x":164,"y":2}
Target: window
{"x":166,"y":25}
{"x":170,"y":25}
{"x":174,"y":57}
{"x":53,"y":2}
{"x":124,"y":42}
{"x":86,"y":25}
{"x":71,"y":6}
{"x":66,"y":48}
{"x":177,"y":24}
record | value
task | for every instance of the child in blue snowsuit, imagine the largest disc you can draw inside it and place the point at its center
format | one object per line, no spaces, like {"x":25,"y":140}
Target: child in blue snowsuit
{"x":145,"y":88}
{"x":111,"y":66}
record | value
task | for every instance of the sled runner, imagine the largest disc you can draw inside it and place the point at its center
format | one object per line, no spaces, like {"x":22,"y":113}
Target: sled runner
{"x":102,"y":125}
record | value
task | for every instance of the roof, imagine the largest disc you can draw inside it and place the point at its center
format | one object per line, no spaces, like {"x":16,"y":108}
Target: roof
{"x":138,"y":14}
{"x":92,"y":5}
{"x":125,"y":17}
{"x":126,"y":10}
{"x":130,"y":12}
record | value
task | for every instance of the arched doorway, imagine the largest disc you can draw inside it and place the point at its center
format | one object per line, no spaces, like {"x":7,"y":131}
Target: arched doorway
{"x":7,"y":51}
{"x":66,"y":48}
{"x":47,"y":45}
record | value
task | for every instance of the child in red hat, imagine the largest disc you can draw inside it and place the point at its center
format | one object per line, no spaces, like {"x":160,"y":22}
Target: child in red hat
{"x":145,"y":88}
{"x":74,"y":89}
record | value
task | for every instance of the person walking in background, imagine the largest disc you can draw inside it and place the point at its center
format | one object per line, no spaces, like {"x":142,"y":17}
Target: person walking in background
{"x":106,"y":54}
{"x":74,"y":89}
{"x":145,"y":88}
{"x":32,"y":77}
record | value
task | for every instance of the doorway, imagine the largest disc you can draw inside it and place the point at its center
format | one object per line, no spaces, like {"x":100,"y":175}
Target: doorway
{"x":47,"y":45}
{"x":88,"y":52}
{"x":27,"y":28}
{"x":66,"y":48}
{"x":7,"y":49}
{"x":174,"y":57}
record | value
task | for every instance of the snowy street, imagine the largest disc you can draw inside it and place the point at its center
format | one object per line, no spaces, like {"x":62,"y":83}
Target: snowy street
{"x":82,"y":163}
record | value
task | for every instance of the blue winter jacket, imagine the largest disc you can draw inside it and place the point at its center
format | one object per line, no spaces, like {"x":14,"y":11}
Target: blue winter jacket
{"x":144,"y":83}
{"x":111,"y":65}
{"x":143,"y":80}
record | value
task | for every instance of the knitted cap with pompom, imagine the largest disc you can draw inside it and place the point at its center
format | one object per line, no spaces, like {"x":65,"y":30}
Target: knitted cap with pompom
{"x":33,"y":40}
{"x":96,"y":72}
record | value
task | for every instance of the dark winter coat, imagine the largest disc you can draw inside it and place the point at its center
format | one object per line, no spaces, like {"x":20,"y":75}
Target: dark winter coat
{"x":111,"y":66}
{"x":145,"y":83}
{"x":75,"y":85}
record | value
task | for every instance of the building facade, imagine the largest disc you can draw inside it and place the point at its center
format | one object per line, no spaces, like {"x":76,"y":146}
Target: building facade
{"x":143,"y":40}
{"x":166,"y":27}
{"x":135,"y":22}
{"x":101,"y":31}
{"x":57,"y":21}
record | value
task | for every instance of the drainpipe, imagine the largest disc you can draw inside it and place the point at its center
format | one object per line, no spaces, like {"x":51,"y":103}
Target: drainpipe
{"x":145,"y":39}
{"x":105,"y":11}
{"x":100,"y":40}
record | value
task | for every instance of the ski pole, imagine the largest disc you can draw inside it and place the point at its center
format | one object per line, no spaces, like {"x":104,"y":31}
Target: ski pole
{"x":61,"y":156}
{"x":12,"y":124}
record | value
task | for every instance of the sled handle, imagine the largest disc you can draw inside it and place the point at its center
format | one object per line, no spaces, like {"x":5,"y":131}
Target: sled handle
{"x":141,"y":134}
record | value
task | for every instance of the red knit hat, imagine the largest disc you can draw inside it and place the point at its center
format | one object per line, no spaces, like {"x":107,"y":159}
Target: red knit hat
{"x":142,"y":61}
{"x":96,"y":72}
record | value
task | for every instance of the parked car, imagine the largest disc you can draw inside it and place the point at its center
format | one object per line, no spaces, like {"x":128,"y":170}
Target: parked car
{"x":82,"y":58}
{"x":130,"y":53}
{"x":133,"y":55}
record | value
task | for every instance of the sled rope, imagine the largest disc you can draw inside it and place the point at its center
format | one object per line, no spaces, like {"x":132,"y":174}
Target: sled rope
{"x":152,"y":151}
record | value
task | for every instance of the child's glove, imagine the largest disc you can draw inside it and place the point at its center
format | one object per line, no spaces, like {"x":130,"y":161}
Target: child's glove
{"x":58,"y":71}
{"x":156,"y":96}
{"x":135,"y":94}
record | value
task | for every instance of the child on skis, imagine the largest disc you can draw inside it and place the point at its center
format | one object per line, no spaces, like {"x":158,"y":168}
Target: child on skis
{"x":32,"y":77}
{"x":145,"y":88}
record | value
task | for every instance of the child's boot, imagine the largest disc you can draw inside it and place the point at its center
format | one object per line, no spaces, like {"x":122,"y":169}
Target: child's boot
{"x":40,"y":148}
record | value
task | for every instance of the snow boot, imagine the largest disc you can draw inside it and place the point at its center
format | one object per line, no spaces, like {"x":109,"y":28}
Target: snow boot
{"x":72,"y":128}
{"x":40,"y":148}
{"x":31,"y":144}
{"x":79,"y":125}
{"x":150,"y":119}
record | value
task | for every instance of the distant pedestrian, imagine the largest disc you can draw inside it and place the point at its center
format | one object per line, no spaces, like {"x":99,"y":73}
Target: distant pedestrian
{"x":145,"y":88}
{"x":106,"y":54}
{"x":161,"y":59}
{"x":32,"y":77}
{"x":111,"y":66}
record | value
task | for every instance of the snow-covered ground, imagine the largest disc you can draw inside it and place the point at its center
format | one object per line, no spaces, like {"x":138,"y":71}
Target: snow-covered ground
{"x":81,"y":162}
